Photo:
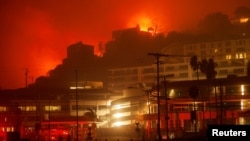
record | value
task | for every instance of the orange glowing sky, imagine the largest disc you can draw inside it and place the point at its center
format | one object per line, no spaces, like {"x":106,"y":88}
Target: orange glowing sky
{"x":36,"y":33}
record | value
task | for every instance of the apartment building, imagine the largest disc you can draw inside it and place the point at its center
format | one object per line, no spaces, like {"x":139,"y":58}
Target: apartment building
{"x":231,"y":57}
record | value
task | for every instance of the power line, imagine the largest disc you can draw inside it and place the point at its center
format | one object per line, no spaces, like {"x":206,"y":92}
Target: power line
{"x":157,"y":56}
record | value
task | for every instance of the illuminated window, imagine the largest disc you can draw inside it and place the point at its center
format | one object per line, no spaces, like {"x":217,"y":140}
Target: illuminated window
{"x":120,"y":123}
{"x":244,"y":20}
{"x":172,"y":93}
{"x":2,"y":108}
{"x":119,"y":115}
{"x":73,"y":88}
{"x":240,"y":55}
{"x":242,"y":120}
{"x":9,"y":129}
{"x":215,"y":50}
{"x":228,"y":57}
{"x":52,"y":108}
{"x":242,"y":105}
{"x":242,"y":88}
{"x":27,"y":108}
{"x":31,"y":108}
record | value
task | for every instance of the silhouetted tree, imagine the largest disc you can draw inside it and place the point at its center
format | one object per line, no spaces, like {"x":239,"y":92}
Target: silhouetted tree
{"x":195,"y":65}
{"x":208,"y":67}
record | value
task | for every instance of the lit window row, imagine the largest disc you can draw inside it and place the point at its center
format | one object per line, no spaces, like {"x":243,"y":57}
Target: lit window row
{"x":2,"y":108}
{"x":52,"y":108}
{"x":244,"y":20}
{"x":32,"y":108}
{"x":240,"y":55}
{"x":237,"y":56}
{"x":27,"y":108}
{"x":7,"y":129}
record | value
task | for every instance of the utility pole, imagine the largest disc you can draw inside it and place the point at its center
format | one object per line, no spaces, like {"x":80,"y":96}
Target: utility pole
{"x":49,"y":118}
{"x":221,"y":103}
{"x":76,"y":107}
{"x":194,"y":92}
{"x":165,"y":91}
{"x":157,"y":56}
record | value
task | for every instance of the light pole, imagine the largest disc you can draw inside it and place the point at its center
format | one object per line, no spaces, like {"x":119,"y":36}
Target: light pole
{"x":157,"y":56}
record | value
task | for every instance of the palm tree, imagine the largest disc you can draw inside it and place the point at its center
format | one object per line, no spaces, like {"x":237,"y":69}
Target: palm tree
{"x":205,"y":66}
{"x":208,"y":68}
{"x":195,"y":65}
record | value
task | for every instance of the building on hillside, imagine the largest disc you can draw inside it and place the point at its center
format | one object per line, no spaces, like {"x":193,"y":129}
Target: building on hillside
{"x":231,"y":57}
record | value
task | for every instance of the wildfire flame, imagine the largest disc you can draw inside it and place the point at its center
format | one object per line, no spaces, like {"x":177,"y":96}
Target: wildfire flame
{"x":144,"y":22}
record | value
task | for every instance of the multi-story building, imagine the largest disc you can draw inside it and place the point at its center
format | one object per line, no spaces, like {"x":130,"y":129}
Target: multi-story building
{"x":231,"y":57}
